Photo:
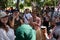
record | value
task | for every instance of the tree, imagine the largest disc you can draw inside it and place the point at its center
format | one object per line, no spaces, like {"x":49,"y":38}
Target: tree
{"x":21,"y":6}
{"x":49,"y":3}
{"x":9,"y":3}
{"x":3,"y":4}
{"x":58,"y":1}
{"x":17,"y":4}
{"x":27,"y":2}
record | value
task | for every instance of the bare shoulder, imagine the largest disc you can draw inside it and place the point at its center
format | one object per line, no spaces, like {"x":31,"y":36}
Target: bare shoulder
{"x":38,"y":18}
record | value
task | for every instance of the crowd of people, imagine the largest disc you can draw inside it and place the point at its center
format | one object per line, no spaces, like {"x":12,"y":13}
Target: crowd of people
{"x":15,"y":25}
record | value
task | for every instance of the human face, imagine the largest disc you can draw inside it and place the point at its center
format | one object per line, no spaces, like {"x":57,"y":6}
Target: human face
{"x":33,"y":14}
{"x":4,"y":20}
{"x":16,"y":14}
{"x":26,"y":10}
{"x":44,"y":30}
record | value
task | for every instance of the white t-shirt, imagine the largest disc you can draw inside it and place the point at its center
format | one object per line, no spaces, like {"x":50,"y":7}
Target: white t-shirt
{"x":7,"y":35}
{"x":27,"y":17}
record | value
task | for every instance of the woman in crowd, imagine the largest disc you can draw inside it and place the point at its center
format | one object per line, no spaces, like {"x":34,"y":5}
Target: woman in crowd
{"x":44,"y":33}
{"x":35,"y":22}
{"x":15,"y":19}
{"x":6,"y":33}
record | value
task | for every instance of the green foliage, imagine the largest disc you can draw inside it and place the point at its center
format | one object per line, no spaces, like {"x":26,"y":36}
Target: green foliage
{"x":21,"y":6}
{"x":3,"y":3}
{"x":8,"y":3}
{"x":27,"y":1}
{"x":28,"y":4}
{"x":49,"y":3}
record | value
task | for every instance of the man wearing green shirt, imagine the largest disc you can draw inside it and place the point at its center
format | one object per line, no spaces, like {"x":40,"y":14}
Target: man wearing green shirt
{"x":25,"y":32}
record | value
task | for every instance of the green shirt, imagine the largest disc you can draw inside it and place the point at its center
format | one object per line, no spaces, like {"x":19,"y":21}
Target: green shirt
{"x":25,"y":32}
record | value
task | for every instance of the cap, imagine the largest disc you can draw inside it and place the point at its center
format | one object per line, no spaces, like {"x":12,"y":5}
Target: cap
{"x":43,"y":26}
{"x":2,"y":14}
{"x":15,"y":10}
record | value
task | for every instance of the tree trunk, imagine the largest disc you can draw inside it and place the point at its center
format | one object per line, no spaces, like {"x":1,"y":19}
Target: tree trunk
{"x":17,"y":5}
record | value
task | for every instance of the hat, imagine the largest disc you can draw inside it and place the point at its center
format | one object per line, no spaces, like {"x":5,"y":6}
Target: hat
{"x":2,"y":14}
{"x":43,"y":26}
{"x":15,"y":10}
